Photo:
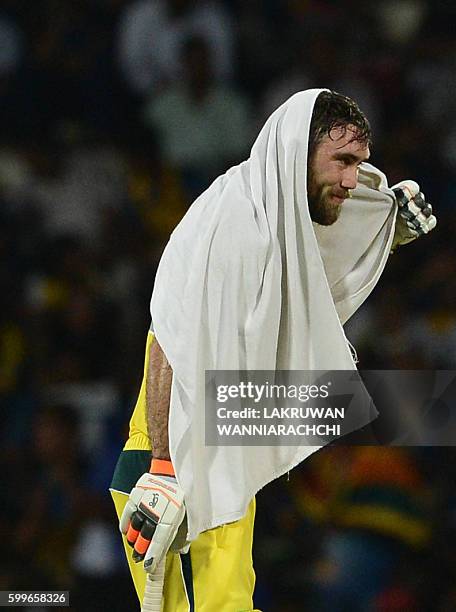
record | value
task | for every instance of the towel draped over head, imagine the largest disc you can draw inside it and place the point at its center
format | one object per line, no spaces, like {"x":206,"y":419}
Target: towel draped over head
{"x":248,"y":282}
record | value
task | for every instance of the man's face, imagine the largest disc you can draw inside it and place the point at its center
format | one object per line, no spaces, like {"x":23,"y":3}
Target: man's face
{"x":333,"y":171}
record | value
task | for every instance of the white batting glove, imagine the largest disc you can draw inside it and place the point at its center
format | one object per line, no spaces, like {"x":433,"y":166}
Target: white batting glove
{"x":414,"y":218}
{"x":151,"y":519}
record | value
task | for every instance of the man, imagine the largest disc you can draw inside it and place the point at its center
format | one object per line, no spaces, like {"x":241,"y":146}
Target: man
{"x":257,"y":276}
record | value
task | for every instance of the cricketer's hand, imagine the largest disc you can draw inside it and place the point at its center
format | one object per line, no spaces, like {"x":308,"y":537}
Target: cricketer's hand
{"x":151,"y":519}
{"x":414,"y":217}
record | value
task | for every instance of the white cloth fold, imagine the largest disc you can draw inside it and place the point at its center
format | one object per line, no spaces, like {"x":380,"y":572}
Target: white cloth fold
{"x":248,"y":282}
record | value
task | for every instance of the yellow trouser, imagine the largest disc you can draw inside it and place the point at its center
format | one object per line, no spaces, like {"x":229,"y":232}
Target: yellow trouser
{"x":219,"y":577}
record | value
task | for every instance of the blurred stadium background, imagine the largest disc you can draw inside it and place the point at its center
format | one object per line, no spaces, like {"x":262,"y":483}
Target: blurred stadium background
{"x":114,"y":114}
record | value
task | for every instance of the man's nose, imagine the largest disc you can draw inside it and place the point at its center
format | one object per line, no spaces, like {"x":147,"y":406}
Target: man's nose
{"x":350,"y":178}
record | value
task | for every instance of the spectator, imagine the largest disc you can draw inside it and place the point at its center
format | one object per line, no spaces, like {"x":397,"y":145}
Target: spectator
{"x":203,"y":126}
{"x":151,"y":33}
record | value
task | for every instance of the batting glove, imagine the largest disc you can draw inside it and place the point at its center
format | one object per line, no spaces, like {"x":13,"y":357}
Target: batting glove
{"x":414,"y":218}
{"x":152,"y":516}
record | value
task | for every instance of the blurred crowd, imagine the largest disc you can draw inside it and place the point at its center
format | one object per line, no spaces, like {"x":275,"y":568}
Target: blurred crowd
{"x":114,"y":116}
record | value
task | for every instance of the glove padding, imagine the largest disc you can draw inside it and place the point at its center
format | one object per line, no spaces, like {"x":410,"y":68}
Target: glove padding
{"x":151,"y":519}
{"x":414,"y":217}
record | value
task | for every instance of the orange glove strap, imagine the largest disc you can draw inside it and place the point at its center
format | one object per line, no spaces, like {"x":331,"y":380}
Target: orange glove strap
{"x":161,"y":467}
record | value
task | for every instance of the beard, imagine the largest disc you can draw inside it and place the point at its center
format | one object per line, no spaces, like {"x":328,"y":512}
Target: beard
{"x":323,"y":209}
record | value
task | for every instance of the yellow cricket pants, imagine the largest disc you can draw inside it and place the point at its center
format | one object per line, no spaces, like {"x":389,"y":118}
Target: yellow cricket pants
{"x":215,"y":576}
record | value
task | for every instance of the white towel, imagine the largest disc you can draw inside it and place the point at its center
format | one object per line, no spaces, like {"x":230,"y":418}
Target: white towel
{"x":248,"y":282}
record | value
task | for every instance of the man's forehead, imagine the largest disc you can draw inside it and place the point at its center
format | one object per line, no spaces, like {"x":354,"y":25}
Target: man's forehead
{"x":345,"y":139}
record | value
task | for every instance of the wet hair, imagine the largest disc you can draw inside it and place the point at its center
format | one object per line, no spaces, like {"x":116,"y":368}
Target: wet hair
{"x":333,"y":110}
